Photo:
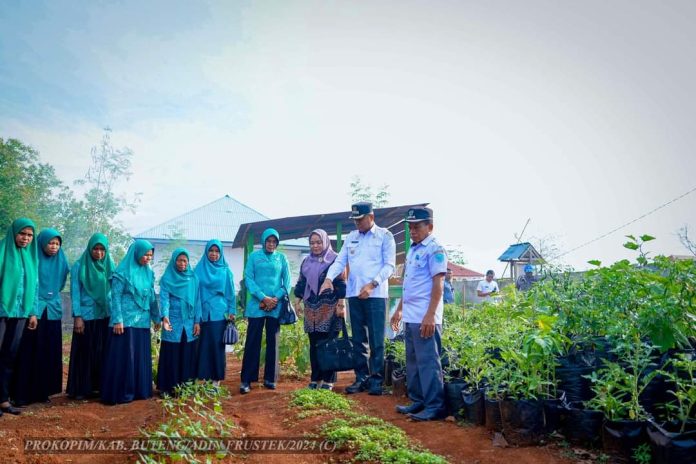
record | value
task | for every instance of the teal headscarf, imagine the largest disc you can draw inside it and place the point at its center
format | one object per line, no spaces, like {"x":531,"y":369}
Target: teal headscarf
{"x":137,"y":279}
{"x":12,"y":260}
{"x":52,"y":269}
{"x":182,"y":285}
{"x":95,"y":276}
{"x":268,"y":233}
{"x":213,"y":277}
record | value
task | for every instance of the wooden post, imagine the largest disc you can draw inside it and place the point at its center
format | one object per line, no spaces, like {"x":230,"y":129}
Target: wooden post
{"x":339,"y":236}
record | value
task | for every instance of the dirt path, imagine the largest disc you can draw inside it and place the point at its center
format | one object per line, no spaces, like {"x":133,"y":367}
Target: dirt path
{"x":262,"y":413}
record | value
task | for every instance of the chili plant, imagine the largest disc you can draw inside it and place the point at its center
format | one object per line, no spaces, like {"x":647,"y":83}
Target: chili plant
{"x":683,"y":377}
{"x":618,"y":388}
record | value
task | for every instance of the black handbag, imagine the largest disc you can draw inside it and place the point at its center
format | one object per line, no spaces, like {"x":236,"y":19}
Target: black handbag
{"x":287,"y":313}
{"x":231,"y":335}
{"x":336,"y":353}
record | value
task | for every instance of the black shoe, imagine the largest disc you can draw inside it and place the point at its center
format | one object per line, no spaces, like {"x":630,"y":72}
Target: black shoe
{"x":356,"y":387}
{"x":244,"y":388}
{"x":10,"y":410}
{"x":427,"y":416}
{"x":374,"y":387}
{"x":410,"y":408}
{"x":269,"y":385}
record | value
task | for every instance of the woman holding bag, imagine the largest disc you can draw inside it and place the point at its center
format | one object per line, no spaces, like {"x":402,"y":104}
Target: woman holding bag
{"x":320,"y":309}
{"x":267,"y":277}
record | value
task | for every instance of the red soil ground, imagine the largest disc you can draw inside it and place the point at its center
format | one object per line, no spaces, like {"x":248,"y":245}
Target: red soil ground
{"x":262,"y":413}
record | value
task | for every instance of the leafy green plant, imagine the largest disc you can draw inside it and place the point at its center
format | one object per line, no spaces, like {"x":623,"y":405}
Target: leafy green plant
{"x":372,"y":439}
{"x":375,"y":441}
{"x":683,"y":376}
{"x":324,"y":400}
{"x":294,"y":349}
{"x":195,"y":411}
{"x":155,"y":344}
{"x":617,"y":388}
{"x":642,"y":454}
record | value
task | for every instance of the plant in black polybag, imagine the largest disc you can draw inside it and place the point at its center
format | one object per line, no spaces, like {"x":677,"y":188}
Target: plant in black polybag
{"x":683,"y":377}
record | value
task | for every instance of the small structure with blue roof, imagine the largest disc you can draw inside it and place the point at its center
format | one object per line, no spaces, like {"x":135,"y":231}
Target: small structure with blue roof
{"x":519,"y":255}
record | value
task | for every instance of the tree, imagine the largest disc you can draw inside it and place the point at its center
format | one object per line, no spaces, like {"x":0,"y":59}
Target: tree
{"x":685,"y":240}
{"x":455,"y":255}
{"x":360,"y":191}
{"x":28,"y":187}
{"x":101,"y":205}
{"x":549,"y":249}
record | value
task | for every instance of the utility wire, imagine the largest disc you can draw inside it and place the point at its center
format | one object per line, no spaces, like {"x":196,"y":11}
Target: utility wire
{"x":627,"y":224}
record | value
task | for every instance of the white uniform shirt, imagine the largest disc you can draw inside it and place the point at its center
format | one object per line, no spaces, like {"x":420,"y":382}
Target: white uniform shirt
{"x":487,"y":287}
{"x":371,"y":256}
{"x":424,"y":261}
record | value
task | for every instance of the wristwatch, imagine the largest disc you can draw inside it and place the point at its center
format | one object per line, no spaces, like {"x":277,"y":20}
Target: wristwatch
{"x":375,"y":284}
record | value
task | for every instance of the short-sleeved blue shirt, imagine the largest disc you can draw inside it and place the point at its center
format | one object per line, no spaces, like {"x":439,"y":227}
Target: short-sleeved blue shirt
{"x":424,"y":261}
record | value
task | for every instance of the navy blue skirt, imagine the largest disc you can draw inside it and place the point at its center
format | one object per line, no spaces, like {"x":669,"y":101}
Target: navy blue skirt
{"x":127,"y":373}
{"x":86,"y":358}
{"x":177,"y":364}
{"x":211,"y":351}
{"x":39,"y":370}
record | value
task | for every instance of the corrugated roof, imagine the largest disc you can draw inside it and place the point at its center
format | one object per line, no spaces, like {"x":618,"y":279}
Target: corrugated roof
{"x":520,"y":251}
{"x":461,"y":271}
{"x":220,"y":219}
{"x":295,"y":227}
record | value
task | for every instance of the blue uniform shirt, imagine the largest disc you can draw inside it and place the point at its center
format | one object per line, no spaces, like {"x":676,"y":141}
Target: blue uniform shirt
{"x":124,"y":309}
{"x":371,"y":256}
{"x":424,"y":261}
{"x":179,"y":317}
{"x":83,"y":305}
{"x":266,"y":275}
{"x":448,"y":293}
{"x":221,"y":305}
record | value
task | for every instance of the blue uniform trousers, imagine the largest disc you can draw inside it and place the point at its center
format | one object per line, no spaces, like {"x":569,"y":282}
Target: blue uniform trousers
{"x":423,"y":370}
{"x":367,"y":329}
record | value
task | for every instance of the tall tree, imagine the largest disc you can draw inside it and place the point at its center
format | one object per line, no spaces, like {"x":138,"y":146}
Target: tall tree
{"x":685,"y":240}
{"x":27,"y":186}
{"x":101,"y":205}
{"x":360,"y":191}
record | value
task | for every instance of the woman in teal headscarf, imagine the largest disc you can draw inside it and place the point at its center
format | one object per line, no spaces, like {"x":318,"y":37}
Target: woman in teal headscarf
{"x":127,"y":373}
{"x":39,"y":371}
{"x":19,"y":282}
{"x":267,"y":278}
{"x":217,"y":306}
{"x":180,"y":307}
{"x":89,"y":287}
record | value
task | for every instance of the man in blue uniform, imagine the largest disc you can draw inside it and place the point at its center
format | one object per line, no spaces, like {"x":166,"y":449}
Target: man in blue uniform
{"x":370,"y":252}
{"x":421,"y":311}
{"x":448,"y":297}
{"x":525,"y":282}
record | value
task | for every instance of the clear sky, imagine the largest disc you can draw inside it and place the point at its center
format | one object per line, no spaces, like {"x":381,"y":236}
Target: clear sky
{"x":578,"y":115}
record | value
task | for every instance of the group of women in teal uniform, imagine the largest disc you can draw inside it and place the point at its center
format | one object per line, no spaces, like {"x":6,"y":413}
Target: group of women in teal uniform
{"x":115,"y":307}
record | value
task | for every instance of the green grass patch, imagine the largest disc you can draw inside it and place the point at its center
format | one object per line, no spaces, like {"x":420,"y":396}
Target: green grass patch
{"x":371,"y":438}
{"x":324,"y":400}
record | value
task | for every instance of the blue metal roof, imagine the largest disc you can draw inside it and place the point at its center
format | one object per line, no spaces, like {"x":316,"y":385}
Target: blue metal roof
{"x":515,"y":252}
{"x":220,"y":219}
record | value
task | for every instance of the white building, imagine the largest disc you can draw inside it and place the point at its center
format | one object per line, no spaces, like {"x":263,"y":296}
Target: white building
{"x":221,"y":220}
